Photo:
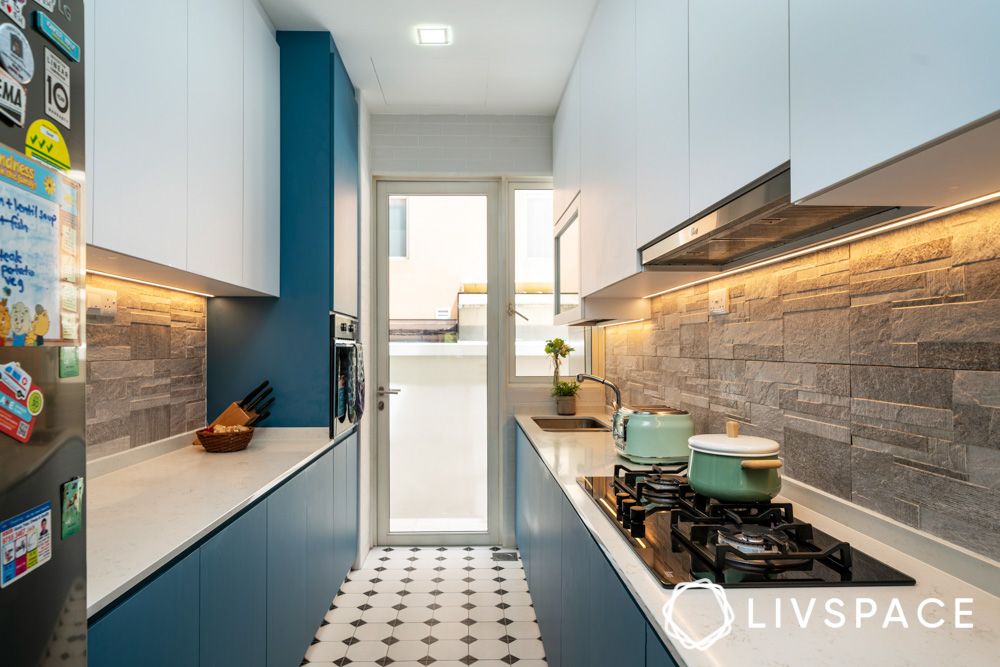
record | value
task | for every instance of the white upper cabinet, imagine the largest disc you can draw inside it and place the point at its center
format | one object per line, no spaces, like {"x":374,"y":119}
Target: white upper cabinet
{"x":566,"y":147}
{"x":738,"y":94}
{"x":262,"y":159}
{"x":662,"y":197}
{"x":871,"y":81}
{"x":215,"y":140}
{"x":140,"y":128}
{"x":608,"y":147}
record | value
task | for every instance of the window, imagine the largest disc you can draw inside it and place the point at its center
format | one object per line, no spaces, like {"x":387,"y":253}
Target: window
{"x":397,"y":227}
{"x":534,"y":278}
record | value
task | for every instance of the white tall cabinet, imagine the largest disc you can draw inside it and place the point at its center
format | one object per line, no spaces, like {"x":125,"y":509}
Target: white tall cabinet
{"x":739,"y":94}
{"x":140,"y":151}
{"x":607,"y":147}
{"x":566,"y":147}
{"x":183,"y":159}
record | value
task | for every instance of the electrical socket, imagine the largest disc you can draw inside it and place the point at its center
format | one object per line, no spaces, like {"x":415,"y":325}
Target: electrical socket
{"x":718,"y":301}
{"x":102,"y":302}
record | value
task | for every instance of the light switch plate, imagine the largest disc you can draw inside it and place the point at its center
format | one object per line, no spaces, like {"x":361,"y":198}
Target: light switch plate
{"x":718,"y":301}
{"x":102,"y":302}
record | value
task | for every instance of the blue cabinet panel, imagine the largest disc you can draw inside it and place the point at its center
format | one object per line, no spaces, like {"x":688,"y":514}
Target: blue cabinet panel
{"x":351,"y":514}
{"x":656,"y":653}
{"x":618,"y":627}
{"x":549,"y":609}
{"x":577,"y":551}
{"x":156,"y":627}
{"x":290,"y":623}
{"x":234,"y":593}
{"x":320,"y":554}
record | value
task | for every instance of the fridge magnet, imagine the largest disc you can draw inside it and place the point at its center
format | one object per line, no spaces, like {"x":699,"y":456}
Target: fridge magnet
{"x":45,"y":142}
{"x":48,"y":4}
{"x":14,"y":9}
{"x":57,"y":36}
{"x":13,"y":99}
{"x":20,"y":402}
{"x":69,"y":362}
{"x":25,"y":543}
{"x":56,"y":88}
{"x":15,"y":53}
{"x":72,"y":506}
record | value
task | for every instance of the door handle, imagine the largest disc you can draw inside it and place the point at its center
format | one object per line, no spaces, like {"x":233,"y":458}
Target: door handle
{"x":382,"y":391}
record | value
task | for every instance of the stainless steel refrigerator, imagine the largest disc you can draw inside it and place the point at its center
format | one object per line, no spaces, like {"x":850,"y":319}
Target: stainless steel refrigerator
{"x":43,"y":608}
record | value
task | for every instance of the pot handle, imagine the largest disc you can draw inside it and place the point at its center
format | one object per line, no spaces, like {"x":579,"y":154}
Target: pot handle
{"x":760,"y":464}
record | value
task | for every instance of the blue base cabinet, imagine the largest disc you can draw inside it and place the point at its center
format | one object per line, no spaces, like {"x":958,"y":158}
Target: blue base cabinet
{"x":156,"y":627}
{"x":586,"y":614}
{"x":253,"y":593}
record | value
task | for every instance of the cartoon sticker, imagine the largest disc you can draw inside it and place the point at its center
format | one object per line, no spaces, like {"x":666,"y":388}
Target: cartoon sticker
{"x":25,"y":543}
{"x":15,"y":53}
{"x":72,"y":506}
{"x":19,"y":403}
{"x":13,"y":99}
{"x":56,"y":88}
{"x":14,"y":9}
{"x":48,"y":4}
{"x":45,"y":142}
{"x":57,"y":36}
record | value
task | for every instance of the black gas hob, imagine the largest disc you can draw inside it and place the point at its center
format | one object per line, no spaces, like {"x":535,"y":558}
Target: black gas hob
{"x":682,"y":536}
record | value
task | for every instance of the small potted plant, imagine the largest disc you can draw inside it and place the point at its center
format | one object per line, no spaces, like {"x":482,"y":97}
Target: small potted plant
{"x":564,"y":392}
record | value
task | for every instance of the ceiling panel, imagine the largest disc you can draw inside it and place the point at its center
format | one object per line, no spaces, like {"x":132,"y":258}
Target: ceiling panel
{"x":510,"y":56}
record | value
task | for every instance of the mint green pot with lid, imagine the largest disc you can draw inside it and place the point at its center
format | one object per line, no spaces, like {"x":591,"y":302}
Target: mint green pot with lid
{"x":652,"y":433}
{"x":734,"y":468}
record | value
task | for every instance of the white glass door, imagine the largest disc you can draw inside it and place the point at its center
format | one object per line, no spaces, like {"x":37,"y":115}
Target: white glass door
{"x":438,"y":367}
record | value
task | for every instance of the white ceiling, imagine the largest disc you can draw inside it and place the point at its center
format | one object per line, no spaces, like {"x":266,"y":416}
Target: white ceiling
{"x":507,"y":56}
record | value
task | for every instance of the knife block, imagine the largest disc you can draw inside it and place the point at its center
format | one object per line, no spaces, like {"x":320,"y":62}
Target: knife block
{"x":234,"y":415}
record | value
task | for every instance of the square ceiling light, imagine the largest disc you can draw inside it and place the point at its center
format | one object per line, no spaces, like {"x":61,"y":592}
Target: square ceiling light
{"x":433,"y":35}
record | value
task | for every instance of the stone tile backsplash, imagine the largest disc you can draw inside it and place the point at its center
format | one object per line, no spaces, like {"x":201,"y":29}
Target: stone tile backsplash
{"x":876,"y":365}
{"x":145,"y":367}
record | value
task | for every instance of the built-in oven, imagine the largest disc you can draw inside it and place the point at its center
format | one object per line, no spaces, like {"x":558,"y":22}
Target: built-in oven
{"x":347,"y":383}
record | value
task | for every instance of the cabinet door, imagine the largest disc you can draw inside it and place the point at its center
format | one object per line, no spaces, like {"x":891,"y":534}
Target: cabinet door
{"x":140,"y":132}
{"x":261,"y":153}
{"x":618,"y":627}
{"x":320,"y":561}
{"x":566,"y":147}
{"x":608,"y":146}
{"x":576,"y":589}
{"x":739,"y":95}
{"x":290,"y":623}
{"x":215,"y":140}
{"x":548,"y":606}
{"x":351,"y":518}
{"x":656,"y":652}
{"x":662,"y":182}
{"x":345,"y":191}
{"x":345,"y":505}
{"x":156,"y":627}
{"x":234,"y":593}
{"x":872,"y":80}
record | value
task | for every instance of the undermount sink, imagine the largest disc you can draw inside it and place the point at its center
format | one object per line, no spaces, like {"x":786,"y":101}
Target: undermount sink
{"x":575,"y":424}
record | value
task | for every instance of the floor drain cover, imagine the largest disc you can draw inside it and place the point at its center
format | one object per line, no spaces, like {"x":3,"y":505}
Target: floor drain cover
{"x":504,"y":555}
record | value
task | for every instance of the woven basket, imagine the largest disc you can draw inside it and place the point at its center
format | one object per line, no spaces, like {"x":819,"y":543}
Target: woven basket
{"x":218,"y":443}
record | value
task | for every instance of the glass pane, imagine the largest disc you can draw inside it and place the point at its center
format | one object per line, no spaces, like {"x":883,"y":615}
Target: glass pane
{"x":534,"y":268}
{"x":397,"y":226}
{"x":437,"y":359}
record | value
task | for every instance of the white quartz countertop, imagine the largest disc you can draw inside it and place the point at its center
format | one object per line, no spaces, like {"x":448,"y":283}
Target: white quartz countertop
{"x":571,"y":455}
{"x":141,"y":516}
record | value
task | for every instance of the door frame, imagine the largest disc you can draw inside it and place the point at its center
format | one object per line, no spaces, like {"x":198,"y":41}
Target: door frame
{"x":496,"y":358}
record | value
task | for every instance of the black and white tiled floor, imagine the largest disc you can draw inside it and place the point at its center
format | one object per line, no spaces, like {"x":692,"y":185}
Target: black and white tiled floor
{"x":441,"y":606}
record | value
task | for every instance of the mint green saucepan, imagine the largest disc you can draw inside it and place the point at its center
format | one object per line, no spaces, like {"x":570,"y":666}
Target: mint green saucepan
{"x":734,"y":468}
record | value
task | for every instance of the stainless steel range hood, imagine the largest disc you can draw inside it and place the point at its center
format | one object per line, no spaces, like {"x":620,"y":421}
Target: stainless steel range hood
{"x":758,"y":222}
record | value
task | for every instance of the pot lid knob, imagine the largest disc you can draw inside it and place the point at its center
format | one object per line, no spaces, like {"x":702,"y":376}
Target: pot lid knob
{"x":733,"y":429}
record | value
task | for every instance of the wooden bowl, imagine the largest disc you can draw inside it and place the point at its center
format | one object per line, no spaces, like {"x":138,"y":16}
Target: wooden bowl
{"x":219,"y":443}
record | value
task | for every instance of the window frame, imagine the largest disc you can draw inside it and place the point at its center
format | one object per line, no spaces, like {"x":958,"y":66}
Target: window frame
{"x":406,"y":229}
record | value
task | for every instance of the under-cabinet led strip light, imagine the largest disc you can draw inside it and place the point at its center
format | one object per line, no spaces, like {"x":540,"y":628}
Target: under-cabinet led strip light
{"x":920,"y":217}
{"x":146,"y":282}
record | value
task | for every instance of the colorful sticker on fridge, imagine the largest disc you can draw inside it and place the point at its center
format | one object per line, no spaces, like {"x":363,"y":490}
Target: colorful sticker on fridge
{"x":13,"y":99}
{"x":56,"y":88}
{"x":45,"y":142}
{"x":15,"y":53}
{"x":38,"y":222}
{"x":20,"y":402}
{"x":25,"y":543}
{"x":57,"y":36}
{"x":69,"y":362}
{"x":14,"y":9}
{"x":72,"y":505}
{"x":48,"y":4}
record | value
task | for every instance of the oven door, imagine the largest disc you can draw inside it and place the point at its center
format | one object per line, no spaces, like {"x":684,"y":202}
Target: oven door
{"x":344,"y":386}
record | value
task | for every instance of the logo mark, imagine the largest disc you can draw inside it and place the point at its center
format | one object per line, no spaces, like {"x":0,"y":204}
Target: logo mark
{"x":677,"y":633}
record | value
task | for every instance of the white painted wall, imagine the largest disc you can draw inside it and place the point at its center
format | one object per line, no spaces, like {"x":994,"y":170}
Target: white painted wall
{"x":456,"y":145}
